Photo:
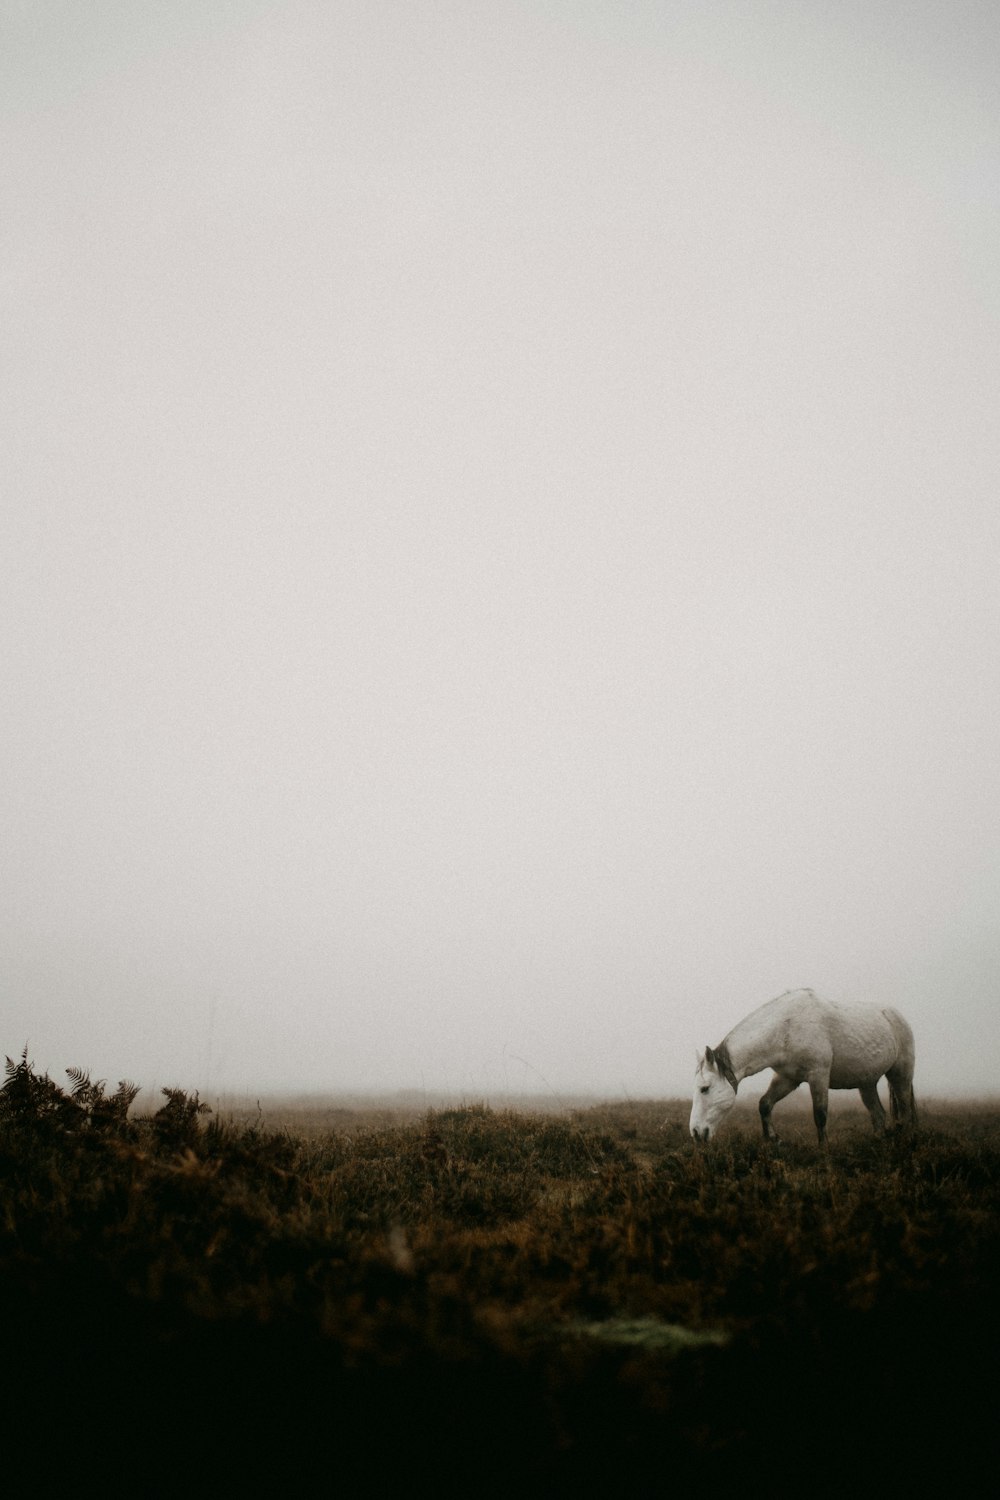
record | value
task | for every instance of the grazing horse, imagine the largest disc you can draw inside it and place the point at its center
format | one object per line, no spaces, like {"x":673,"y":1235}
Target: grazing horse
{"x":808,"y":1040}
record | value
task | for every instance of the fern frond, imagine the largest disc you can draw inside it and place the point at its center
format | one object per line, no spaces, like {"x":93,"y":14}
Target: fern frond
{"x":87,"y":1094}
{"x":21,"y":1067}
{"x":79,"y":1078}
{"x":121,"y":1100}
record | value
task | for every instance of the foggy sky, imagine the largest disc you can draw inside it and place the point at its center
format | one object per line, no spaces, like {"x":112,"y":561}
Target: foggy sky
{"x":500,"y":535}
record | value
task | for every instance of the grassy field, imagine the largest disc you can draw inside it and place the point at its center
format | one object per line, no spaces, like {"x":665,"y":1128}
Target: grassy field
{"x":519,"y":1302}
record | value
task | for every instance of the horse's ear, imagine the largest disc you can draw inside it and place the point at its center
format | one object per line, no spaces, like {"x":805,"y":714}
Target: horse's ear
{"x":710,"y":1057}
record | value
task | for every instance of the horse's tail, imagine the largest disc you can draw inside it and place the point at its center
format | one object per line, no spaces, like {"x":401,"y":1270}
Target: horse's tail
{"x":900,"y":1075}
{"x":902,"y":1103}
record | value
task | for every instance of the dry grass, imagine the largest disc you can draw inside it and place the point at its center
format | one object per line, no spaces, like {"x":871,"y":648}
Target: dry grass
{"x":572,"y":1300}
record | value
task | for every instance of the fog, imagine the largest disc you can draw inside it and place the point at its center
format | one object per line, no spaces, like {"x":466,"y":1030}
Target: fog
{"x":500,"y":536}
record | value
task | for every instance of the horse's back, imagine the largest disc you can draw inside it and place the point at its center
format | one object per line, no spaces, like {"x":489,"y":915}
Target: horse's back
{"x":867,"y":1041}
{"x":857,"y":1043}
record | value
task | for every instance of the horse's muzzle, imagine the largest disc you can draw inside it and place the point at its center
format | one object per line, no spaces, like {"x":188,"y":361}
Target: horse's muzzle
{"x":700,"y":1135}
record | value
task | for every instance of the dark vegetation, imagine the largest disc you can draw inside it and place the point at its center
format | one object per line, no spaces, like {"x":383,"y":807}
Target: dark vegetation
{"x":539,"y":1304}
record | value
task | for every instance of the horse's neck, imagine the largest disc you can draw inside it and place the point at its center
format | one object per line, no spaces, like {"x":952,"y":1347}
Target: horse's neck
{"x":749,"y":1047}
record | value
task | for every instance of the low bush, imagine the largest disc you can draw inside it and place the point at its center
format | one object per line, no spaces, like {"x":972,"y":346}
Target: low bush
{"x":622,"y":1297}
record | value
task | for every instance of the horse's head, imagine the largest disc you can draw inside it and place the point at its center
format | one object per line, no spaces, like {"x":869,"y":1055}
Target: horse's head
{"x":714,"y":1094}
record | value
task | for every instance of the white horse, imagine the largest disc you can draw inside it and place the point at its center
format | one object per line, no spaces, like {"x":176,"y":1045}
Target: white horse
{"x":808,"y":1040}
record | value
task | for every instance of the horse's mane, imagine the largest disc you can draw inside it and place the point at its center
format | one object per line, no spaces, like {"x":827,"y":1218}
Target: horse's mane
{"x":724,"y":1063}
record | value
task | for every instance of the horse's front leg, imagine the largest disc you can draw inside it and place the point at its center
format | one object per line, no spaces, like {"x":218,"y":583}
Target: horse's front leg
{"x":776,"y":1090}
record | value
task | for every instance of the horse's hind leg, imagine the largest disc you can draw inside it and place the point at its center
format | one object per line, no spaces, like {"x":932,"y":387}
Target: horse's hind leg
{"x":820,"y":1090}
{"x":873,"y":1104}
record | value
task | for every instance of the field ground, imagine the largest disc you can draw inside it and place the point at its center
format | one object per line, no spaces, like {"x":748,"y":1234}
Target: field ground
{"x":491,"y":1300}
